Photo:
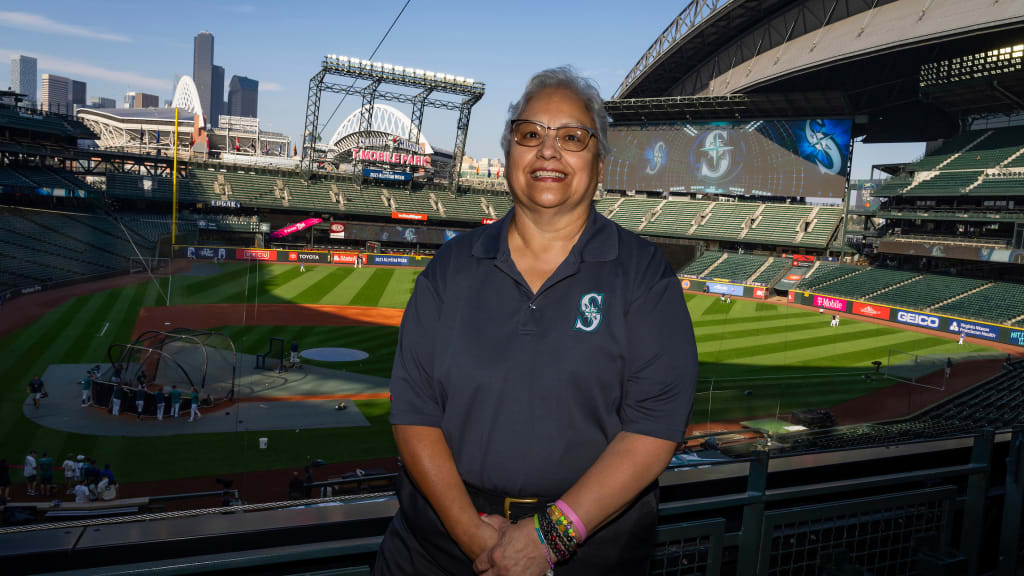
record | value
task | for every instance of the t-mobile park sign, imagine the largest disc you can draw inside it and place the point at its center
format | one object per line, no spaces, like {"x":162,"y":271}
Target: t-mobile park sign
{"x":837,"y":304}
{"x":390,"y":157}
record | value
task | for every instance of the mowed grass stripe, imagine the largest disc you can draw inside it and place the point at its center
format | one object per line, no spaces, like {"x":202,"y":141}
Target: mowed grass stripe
{"x":737,"y":332}
{"x":315,"y":293}
{"x":207,"y":289}
{"x":271,"y":287}
{"x":372,"y":291}
{"x":124,"y":311}
{"x":398,"y":291}
{"x":94,"y":313}
{"x":757,"y":318}
{"x":343,"y":293}
{"x":740,"y":353}
{"x":123,"y":329}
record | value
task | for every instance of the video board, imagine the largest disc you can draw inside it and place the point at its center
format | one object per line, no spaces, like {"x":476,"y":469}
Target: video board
{"x":749,"y":158}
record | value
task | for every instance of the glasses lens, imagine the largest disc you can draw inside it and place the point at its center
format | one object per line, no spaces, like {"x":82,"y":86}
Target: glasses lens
{"x":572,"y":138}
{"x":528,"y":133}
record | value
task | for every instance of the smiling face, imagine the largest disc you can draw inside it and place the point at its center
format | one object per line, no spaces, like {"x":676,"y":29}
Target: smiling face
{"x":547,"y":177}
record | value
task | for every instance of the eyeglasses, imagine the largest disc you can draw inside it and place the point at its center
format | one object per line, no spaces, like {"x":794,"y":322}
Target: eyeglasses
{"x":570,"y":137}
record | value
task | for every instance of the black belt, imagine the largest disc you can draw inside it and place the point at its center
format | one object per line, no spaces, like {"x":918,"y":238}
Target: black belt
{"x":513,"y":508}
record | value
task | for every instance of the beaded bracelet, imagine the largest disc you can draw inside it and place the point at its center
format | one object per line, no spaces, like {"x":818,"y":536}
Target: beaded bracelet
{"x":565,"y":526}
{"x":547,"y":551}
{"x":560,"y":539}
{"x":576,"y":522}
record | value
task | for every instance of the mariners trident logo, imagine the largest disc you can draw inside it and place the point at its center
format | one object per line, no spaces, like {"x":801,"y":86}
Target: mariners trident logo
{"x":590,"y":312}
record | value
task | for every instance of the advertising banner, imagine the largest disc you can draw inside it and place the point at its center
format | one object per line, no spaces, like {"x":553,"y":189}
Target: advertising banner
{"x":408,"y":216}
{"x":343,"y":257}
{"x":761,"y":293}
{"x":388,"y":175}
{"x":488,"y":220}
{"x":803,"y":260}
{"x":396,"y":260}
{"x":918,"y":319}
{"x":205,"y":252}
{"x":836,"y":304}
{"x":955,"y":251}
{"x":872,"y":310}
{"x":295,"y":227}
{"x":791,"y":297}
{"x":727,"y":289}
{"x":973,"y":329}
{"x":338,"y":230}
{"x":248,"y":254}
{"x":1017,"y":337}
{"x":303,"y":257}
{"x":390,"y":157}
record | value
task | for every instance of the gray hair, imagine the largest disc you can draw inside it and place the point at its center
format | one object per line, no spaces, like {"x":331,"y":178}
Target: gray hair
{"x":562,"y":77}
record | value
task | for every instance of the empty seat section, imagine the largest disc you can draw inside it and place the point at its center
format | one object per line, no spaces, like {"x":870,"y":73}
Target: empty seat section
{"x":991,"y":151}
{"x":827,"y":272}
{"x":1000,"y":302}
{"x":927,"y":291}
{"x":726,"y":220}
{"x":632,"y":211}
{"x":676,"y":217}
{"x":945,"y":184}
{"x":997,"y":186}
{"x":777,"y":266}
{"x":945,"y":151}
{"x":823,"y":227}
{"x":737,"y":267}
{"x":777,"y":224}
{"x":418,"y":202}
{"x":501,"y":204}
{"x":867,"y":282}
{"x":701,"y":263}
{"x":467,"y":207}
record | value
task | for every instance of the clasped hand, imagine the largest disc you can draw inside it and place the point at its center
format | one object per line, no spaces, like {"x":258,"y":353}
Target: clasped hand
{"x":517,"y":552}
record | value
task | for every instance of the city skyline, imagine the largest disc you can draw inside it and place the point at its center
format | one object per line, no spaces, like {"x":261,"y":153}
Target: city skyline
{"x":105,"y":48}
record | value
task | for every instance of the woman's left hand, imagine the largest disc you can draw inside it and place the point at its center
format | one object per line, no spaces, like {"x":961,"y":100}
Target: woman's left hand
{"x":519,"y":552}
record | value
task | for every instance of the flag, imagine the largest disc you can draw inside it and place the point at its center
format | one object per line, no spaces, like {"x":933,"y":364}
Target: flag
{"x":499,"y":172}
{"x":236,"y":144}
{"x":157,"y":135}
{"x":488,"y":171}
{"x":295,"y":151}
{"x":278,"y":149}
{"x":478,"y":170}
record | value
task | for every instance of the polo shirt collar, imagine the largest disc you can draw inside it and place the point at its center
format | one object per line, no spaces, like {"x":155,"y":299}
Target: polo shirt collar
{"x":598,"y":243}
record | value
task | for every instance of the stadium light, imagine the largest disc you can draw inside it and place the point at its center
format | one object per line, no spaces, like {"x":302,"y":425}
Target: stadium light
{"x":343,"y":58}
{"x":460,"y":79}
{"x":419,"y":72}
{"x":470,"y":81}
{"x":429,"y":74}
{"x":400,"y":69}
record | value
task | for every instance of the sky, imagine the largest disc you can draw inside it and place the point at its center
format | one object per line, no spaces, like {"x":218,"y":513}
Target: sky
{"x":120,"y":46}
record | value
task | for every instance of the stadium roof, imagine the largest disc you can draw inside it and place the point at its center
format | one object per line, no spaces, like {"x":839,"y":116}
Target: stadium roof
{"x":141,"y":114}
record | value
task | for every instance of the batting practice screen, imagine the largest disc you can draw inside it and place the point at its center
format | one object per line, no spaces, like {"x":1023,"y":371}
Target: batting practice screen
{"x":749,"y":158}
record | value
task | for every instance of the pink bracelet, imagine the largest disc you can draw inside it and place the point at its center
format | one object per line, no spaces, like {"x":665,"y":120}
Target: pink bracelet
{"x":576,"y":522}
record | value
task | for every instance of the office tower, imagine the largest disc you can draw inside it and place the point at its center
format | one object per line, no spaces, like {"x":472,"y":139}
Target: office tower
{"x":243,"y":96}
{"x":77,"y":96}
{"x":217,"y":95}
{"x":101,"y":102}
{"x":23,"y":78}
{"x":141,"y":100}
{"x":56,"y":93}
{"x":202,"y":72}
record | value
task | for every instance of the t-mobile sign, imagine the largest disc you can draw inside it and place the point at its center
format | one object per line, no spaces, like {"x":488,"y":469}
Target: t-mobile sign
{"x":837,"y":304}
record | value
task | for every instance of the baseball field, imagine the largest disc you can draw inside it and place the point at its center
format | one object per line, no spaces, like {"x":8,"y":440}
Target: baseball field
{"x":757,"y":359}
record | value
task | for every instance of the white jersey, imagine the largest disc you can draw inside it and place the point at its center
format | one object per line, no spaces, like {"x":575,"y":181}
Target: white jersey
{"x":69,"y":468}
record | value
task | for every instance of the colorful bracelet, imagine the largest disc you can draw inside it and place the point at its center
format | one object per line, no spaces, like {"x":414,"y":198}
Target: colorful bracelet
{"x":565,"y":527}
{"x":547,"y":551}
{"x":560,"y":540}
{"x":576,"y":522}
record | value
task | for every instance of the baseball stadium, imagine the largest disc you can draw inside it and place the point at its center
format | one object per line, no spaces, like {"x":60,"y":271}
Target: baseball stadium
{"x":860,"y":402}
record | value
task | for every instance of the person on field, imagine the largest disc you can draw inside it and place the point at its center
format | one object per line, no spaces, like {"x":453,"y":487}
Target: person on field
{"x":175,"y":395}
{"x":82,"y":493}
{"x":115,"y":399}
{"x":524,"y":442}
{"x":30,"y":473}
{"x":949,"y":366}
{"x":86,"y":389}
{"x":140,"y":400}
{"x":961,"y":341}
{"x":194,"y":409}
{"x":69,"y":468}
{"x":37,"y":388}
{"x":160,"y":403}
{"x":295,"y":351}
{"x":45,"y":475}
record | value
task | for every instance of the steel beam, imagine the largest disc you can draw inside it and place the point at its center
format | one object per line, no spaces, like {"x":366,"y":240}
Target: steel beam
{"x":309,"y":135}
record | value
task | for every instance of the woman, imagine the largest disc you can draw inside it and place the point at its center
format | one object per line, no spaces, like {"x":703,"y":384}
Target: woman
{"x":545,"y":371}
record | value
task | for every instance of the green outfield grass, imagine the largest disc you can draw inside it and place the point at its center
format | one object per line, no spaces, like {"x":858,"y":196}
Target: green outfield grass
{"x":740,"y":344}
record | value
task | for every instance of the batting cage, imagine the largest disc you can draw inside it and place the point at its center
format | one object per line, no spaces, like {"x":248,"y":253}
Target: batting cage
{"x":180,"y":359}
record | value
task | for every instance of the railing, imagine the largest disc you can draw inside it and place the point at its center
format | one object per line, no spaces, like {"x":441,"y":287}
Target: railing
{"x":779,"y":518}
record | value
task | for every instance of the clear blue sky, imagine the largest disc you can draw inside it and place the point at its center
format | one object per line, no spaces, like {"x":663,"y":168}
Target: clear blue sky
{"x":119,"y":46}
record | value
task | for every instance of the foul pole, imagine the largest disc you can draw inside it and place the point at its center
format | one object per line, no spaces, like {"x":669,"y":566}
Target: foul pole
{"x":174,"y":186}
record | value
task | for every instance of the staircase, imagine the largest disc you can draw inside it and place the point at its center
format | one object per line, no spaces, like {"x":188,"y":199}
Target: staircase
{"x":976,"y":182}
{"x":766,"y":264}
{"x":1011,"y":158}
{"x":436,"y":203}
{"x":959,"y":296}
{"x":833,"y":281}
{"x":712,"y":267}
{"x":701,"y":218}
{"x":608,"y":213}
{"x":750,"y":223}
{"x":651,"y":215}
{"x":811,"y":271}
{"x":873,"y":294}
{"x":1017,"y":319}
{"x":965,"y":149}
{"x":811,"y":220}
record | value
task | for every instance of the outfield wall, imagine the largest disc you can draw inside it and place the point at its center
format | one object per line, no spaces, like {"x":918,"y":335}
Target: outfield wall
{"x":724,"y":288}
{"x":906,"y":317}
{"x":298,"y":256}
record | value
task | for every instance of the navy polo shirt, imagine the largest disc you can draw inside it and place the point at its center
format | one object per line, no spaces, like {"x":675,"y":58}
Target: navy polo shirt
{"x":530,"y":389}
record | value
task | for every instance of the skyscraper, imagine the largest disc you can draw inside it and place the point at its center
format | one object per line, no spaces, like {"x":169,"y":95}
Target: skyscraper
{"x":141,"y":100}
{"x":202,"y":74}
{"x":101,"y":102}
{"x":77,"y":96}
{"x":217,"y":95}
{"x":23,"y":77}
{"x":243,"y":96}
{"x":56,"y":93}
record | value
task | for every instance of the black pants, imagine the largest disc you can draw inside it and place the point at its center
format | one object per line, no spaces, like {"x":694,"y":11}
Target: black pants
{"x":417,"y":544}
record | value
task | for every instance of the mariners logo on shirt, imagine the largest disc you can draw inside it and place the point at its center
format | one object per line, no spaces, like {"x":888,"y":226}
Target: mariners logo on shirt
{"x":590,"y":312}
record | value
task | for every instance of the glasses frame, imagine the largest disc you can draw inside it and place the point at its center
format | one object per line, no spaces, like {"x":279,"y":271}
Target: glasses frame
{"x":558,"y":141}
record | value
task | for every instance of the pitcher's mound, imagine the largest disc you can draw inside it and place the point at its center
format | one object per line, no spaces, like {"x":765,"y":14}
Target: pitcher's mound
{"x":334,"y":354}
